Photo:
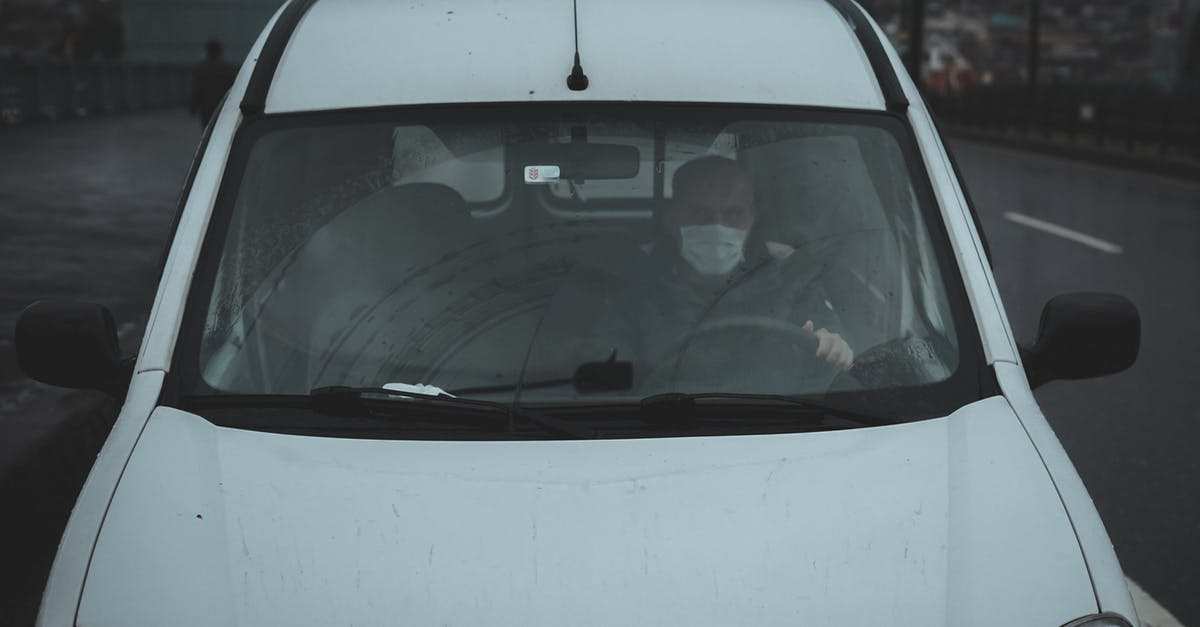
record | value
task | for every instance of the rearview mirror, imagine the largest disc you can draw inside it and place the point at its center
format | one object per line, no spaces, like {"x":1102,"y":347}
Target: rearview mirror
{"x":71,"y":344}
{"x":582,"y":161}
{"x":1083,"y":335}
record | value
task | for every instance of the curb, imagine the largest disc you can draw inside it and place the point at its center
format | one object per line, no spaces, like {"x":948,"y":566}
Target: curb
{"x":1150,"y":613}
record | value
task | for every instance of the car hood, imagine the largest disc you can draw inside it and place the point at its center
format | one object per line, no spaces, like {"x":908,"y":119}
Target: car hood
{"x":951,"y":521}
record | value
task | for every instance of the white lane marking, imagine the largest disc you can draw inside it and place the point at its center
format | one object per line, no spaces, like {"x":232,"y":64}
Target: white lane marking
{"x":1063,"y":232}
{"x":1150,"y":613}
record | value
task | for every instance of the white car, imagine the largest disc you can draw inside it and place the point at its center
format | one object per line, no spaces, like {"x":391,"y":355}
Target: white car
{"x":621,"y":313}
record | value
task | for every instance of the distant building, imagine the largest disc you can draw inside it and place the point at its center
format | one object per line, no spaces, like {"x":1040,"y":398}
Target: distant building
{"x":174,"y":31}
{"x":80,"y":30}
{"x":1082,"y":41}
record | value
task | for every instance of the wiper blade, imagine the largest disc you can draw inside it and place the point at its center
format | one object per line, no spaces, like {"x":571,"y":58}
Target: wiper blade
{"x":352,"y":401}
{"x":680,"y":408}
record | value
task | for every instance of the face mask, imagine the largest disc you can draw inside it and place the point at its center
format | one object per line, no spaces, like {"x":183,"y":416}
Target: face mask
{"x":712,"y":249}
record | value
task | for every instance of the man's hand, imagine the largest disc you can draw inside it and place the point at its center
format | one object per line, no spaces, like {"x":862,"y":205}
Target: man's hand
{"x":832,"y":348}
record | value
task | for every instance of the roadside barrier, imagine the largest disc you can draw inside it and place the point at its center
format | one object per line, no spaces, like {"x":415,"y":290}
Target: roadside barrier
{"x":1142,"y":121}
{"x":50,"y":90}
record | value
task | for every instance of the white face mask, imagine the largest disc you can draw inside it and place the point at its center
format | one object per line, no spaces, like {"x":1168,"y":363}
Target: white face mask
{"x":712,"y":249}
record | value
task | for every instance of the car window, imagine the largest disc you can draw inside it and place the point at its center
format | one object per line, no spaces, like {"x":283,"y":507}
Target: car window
{"x":483,"y":256}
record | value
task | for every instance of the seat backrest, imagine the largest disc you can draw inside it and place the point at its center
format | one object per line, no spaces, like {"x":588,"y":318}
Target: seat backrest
{"x":349,"y":265}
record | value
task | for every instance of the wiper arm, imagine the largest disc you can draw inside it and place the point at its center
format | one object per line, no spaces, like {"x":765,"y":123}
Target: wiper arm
{"x":680,"y":408}
{"x":351,"y":401}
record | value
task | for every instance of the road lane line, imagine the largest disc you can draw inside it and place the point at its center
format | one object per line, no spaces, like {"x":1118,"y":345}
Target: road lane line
{"x":1149,"y":611}
{"x":1063,"y":232}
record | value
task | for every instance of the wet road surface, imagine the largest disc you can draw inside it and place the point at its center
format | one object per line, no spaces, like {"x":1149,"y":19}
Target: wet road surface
{"x":85,"y":206}
{"x":1133,"y":435}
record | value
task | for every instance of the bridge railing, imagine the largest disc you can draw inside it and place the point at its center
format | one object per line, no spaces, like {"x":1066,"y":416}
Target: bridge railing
{"x":52,"y":90}
{"x":1140,"y":120}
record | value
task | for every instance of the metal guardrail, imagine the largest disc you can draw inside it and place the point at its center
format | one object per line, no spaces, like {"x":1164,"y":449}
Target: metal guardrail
{"x":55,"y":90}
{"x":1138,"y":120}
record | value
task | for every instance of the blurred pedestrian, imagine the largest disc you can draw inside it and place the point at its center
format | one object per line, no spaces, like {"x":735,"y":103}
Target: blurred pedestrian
{"x":212,"y":78}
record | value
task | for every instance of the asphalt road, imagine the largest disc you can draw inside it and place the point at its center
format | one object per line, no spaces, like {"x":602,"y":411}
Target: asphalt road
{"x":1132,"y":436}
{"x":84,"y":208}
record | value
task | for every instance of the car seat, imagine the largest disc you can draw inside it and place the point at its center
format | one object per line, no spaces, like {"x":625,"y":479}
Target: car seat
{"x":318,"y":312}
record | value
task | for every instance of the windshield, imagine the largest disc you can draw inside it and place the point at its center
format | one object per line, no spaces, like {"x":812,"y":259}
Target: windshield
{"x":492,"y":253}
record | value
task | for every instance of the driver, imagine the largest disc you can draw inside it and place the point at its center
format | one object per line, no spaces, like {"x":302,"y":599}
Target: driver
{"x":706,"y":259}
{"x":708,"y":299}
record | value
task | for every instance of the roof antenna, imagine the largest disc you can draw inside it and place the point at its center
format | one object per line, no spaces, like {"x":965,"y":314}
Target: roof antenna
{"x":577,"y":81}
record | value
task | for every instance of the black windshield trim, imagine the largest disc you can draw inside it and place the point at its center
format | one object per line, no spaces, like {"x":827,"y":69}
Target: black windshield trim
{"x":881,"y":64}
{"x":184,"y":376}
{"x":254,"y":100}
{"x":295,"y":415}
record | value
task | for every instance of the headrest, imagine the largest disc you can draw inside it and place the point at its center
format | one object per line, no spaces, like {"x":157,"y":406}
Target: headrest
{"x":428,"y":207}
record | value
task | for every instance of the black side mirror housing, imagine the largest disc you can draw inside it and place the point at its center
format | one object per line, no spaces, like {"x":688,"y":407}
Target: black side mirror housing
{"x":1083,"y":335}
{"x":72,"y":344}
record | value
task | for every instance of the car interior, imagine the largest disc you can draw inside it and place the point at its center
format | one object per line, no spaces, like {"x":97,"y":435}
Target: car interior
{"x":363,"y":255}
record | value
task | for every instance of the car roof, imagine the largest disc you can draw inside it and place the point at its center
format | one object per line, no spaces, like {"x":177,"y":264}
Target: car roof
{"x":374,"y":53}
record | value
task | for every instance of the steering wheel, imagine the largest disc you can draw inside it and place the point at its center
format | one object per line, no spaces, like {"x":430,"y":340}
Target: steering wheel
{"x":746,"y":352}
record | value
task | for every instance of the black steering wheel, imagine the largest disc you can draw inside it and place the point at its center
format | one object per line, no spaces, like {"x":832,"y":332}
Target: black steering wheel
{"x":744,"y":352}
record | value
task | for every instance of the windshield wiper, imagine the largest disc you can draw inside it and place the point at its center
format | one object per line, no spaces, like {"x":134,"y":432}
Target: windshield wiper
{"x":680,"y":408}
{"x":351,"y":401}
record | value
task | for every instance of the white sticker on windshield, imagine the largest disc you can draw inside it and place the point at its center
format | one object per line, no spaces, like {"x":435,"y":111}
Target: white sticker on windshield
{"x":541,"y":173}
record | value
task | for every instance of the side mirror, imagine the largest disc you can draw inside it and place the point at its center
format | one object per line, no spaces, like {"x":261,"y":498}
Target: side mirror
{"x":1083,"y":335}
{"x":72,"y":344}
